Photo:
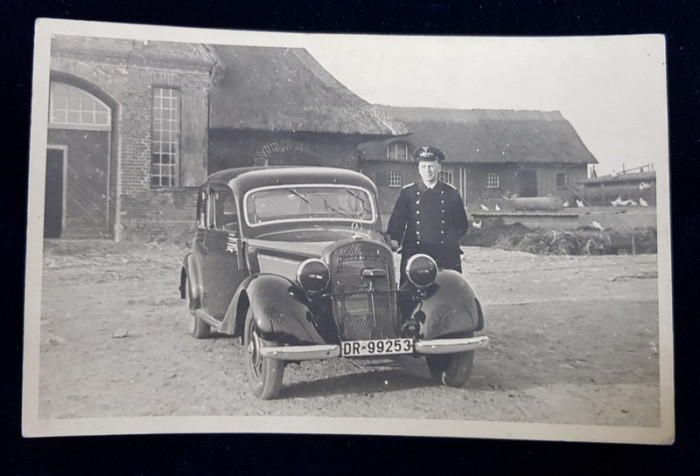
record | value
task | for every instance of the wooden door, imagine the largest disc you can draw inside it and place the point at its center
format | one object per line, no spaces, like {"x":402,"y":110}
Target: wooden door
{"x":54,"y":193}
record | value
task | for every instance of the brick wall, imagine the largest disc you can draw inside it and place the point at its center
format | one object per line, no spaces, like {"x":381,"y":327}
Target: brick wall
{"x":164,"y":215}
{"x":119,"y":75}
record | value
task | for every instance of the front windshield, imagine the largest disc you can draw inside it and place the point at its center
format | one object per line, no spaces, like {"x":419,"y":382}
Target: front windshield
{"x":309,"y":203}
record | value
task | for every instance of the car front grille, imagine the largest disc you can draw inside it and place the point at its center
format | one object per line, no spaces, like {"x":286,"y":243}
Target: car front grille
{"x":362,"y":308}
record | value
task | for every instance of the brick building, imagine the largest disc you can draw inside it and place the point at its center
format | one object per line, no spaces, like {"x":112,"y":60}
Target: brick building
{"x":490,"y":154}
{"x":135,"y":126}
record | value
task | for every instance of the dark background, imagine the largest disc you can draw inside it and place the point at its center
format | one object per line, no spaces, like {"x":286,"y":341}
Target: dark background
{"x":313,"y":454}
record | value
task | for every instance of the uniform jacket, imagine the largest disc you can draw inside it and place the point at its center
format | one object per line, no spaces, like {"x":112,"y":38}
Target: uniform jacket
{"x":429,"y":221}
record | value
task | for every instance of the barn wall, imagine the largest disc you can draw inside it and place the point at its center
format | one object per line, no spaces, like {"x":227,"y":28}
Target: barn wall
{"x":228,"y":148}
{"x":474,"y":191}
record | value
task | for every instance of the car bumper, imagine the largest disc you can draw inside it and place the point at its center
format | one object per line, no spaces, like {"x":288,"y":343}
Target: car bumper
{"x":315,"y":352}
{"x":450,"y":346}
{"x":301,"y":352}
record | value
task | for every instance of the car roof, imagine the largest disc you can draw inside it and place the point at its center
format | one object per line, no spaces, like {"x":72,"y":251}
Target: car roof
{"x":246,"y":178}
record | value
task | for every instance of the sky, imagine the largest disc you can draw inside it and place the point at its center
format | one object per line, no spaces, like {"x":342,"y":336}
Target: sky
{"x":611,"y":89}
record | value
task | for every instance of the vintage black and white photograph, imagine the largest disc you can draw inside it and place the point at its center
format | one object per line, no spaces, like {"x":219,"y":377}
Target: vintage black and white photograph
{"x":248,"y":232}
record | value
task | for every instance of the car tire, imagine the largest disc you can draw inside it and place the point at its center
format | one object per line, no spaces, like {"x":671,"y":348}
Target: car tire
{"x":452,"y":370}
{"x":265,"y":374}
{"x":198,"y":328}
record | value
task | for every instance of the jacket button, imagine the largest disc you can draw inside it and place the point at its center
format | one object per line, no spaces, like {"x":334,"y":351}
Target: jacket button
{"x":417,"y":212}
{"x":442,"y":232}
{"x":418,"y":222}
{"x":443,"y":222}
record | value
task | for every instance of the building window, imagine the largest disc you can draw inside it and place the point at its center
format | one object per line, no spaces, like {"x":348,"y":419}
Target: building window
{"x":395,"y":179}
{"x":397,"y":151}
{"x":73,"y":108}
{"x":493,"y":180}
{"x":446,"y":176}
{"x":165,"y":142}
{"x":562,"y":180}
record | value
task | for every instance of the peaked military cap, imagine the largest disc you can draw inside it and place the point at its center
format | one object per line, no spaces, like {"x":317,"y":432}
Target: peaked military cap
{"x":428,"y":153}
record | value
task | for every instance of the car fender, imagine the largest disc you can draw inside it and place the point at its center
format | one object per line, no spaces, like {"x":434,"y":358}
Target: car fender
{"x":450,"y":307}
{"x":191,"y":270}
{"x":279,"y":307}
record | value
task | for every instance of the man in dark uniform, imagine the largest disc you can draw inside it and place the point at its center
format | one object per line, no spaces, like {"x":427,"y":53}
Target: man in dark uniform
{"x":429,"y":216}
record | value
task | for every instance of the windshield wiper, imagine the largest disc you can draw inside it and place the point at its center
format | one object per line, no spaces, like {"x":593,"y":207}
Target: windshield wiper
{"x":364,"y":205}
{"x":304,"y":199}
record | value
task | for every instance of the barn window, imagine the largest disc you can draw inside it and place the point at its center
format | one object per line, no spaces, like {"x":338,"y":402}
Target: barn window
{"x":73,"y":108}
{"x":397,"y":151}
{"x":562,"y":180}
{"x":493,"y":180}
{"x":395,"y":179}
{"x":165,"y":140}
{"x":447,"y":176}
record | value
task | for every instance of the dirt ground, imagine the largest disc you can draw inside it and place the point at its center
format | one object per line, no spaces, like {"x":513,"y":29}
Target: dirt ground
{"x":574,"y":339}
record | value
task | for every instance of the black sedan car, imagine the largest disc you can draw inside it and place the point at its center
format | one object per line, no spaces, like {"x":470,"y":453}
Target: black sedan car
{"x":293,"y":260}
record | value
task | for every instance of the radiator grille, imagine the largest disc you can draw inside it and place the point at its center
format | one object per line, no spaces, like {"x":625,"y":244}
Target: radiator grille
{"x":367,"y":315}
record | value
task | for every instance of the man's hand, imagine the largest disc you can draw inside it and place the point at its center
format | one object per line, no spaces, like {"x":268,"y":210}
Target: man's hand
{"x":392,"y":243}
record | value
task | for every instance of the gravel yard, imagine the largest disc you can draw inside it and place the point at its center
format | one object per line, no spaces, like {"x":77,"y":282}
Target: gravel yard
{"x":574,"y":339}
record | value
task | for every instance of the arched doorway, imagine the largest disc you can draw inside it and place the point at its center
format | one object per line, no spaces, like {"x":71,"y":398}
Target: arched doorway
{"x":287,"y":152}
{"x":77,"y":164}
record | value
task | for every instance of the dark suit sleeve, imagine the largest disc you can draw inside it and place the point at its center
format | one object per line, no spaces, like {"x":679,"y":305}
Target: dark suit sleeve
{"x":399,"y":217}
{"x":459,"y":215}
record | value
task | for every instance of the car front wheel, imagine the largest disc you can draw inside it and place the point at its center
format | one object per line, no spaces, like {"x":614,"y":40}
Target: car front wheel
{"x":265,"y":374}
{"x":452,"y":370}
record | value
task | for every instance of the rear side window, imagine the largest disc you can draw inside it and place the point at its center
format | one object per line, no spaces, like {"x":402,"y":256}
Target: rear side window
{"x":223,"y":209}
{"x":202,"y":205}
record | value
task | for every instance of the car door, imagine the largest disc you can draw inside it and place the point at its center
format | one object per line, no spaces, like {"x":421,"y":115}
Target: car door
{"x":221,"y":274}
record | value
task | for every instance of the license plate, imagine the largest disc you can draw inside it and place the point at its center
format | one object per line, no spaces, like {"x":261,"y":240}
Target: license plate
{"x":363,"y":348}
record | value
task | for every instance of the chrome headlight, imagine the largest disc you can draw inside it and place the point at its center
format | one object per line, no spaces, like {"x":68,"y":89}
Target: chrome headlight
{"x":421,"y":270}
{"x":313,"y":275}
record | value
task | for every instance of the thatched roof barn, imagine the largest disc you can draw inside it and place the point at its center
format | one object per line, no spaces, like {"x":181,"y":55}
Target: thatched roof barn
{"x":491,"y":136}
{"x":286,"y":89}
{"x":490,"y":154}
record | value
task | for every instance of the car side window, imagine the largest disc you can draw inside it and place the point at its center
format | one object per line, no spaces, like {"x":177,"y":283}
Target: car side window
{"x":202,"y":205}
{"x":224,"y":210}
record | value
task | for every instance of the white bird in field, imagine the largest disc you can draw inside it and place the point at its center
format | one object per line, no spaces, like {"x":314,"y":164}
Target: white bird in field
{"x":596,"y":225}
{"x":484,"y":207}
{"x":579,"y":204}
{"x":566,"y":205}
{"x":643,"y":185}
{"x":498,"y":209}
{"x":643,"y":202}
{"x":632,"y":203}
{"x":617,"y":202}
{"x":477,"y":224}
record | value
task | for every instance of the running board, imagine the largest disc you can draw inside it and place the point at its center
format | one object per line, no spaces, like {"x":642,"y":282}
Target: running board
{"x":208,"y":318}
